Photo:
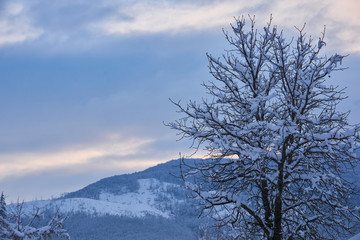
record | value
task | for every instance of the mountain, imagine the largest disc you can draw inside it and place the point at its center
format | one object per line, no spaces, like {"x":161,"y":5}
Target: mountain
{"x":152,"y":204}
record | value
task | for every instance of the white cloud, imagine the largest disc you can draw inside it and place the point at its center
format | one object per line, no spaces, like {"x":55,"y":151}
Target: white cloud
{"x":154,"y":16}
{"x":346,"y":18}
{"x":113,"y":148}
{"x":148,"y":17}
{"x":15,"y":25}
{"x":15,"y":9}
{"x":119,"y":18}
{"x":341,"y":18}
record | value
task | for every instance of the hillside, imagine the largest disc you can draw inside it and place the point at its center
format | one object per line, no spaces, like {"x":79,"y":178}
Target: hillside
{"x":151,"y":204}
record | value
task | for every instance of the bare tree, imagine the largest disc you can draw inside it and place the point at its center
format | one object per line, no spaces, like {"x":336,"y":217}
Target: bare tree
{"x":12,"y":226}
{"x":278,"y":147}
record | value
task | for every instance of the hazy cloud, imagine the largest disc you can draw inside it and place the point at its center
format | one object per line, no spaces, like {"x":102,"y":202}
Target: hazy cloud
{"x":149,"y":17}
{"x":173,"y":17}
{"x":341,"y":19}
{"x":15,"y":25}
{"x":47,"y":173}
{"x":27,"y":162}
{"x":79,"y":24}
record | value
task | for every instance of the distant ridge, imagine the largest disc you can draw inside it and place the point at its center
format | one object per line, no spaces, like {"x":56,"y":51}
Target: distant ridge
{"x":119,"y":184}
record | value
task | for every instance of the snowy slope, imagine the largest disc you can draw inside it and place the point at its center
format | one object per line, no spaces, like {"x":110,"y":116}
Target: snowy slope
{"x":151,"y":204}
{"x":146,"y":200}
{"x":152,"y":201}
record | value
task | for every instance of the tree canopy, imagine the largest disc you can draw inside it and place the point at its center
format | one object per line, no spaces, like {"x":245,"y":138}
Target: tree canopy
{"x":278,"y":147}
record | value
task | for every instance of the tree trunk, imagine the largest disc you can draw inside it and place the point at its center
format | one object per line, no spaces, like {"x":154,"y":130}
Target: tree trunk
{"x":278,"y":201}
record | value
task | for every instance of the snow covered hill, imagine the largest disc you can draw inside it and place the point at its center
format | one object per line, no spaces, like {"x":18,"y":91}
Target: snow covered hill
{"x":153,"y":197}
{"x":152,"y":204}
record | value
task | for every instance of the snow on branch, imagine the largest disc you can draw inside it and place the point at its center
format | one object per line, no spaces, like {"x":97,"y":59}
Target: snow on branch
{"x":278,"y":147}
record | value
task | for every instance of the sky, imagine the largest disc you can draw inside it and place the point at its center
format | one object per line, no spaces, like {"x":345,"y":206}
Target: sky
{"x":84,"y":88}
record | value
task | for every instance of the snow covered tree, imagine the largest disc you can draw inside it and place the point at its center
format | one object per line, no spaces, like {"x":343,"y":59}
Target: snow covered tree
{"x":3,"y":216}
{"x":278,"y":147}
{"x":12,"y":226}
{"x":2,"y":207}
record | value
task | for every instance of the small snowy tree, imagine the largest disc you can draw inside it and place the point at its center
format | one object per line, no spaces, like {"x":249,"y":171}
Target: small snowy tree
{"x":12,"y":226}
{"x":278,"y":147}
{"x":4,"y":226}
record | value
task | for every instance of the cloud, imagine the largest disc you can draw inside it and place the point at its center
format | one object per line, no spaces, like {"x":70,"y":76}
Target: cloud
{"x":115,"y":150}
{"x":79,"y":25}
{"x":15,"y":25}
{"x":346,"y":19}
{"x":151,"y":17}
{"x":44,"y":173}
{"x":173,"y":17}
{"x":341,"y":19}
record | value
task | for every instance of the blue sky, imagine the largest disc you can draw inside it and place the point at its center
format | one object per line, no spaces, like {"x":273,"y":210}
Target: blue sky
{"x":84,"y":88}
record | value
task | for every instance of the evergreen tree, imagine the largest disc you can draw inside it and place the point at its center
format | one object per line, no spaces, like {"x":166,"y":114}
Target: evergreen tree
{"x":2,"y":207}
{"x":4,"y":225}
